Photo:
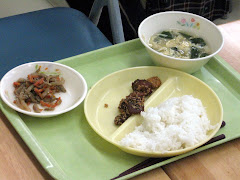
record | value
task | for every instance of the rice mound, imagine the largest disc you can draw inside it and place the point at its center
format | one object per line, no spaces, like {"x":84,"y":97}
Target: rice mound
{"x":177,"y":123}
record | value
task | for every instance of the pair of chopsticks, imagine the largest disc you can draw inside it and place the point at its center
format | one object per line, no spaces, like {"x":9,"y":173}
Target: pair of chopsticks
{"x":152,"y":161}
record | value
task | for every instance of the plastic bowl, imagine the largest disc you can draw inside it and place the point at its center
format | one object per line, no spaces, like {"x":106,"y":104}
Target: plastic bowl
{"x":186,"y":22}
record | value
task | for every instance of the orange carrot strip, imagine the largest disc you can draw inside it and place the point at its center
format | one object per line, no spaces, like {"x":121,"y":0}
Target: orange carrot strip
{"x":52,"y":88}
{"x":16,"y":84}
{"x":39,"y":82}
{"x":38,"y":91}
{"x":45,"y":104}
{"x":30,"y":78}
{"x":48,"y":96}
{"x":50,"y":105}
{"x":56,"y":103}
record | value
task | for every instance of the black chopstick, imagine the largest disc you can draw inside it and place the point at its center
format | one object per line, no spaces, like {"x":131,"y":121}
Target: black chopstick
{"x":151,"y":161}
{"x":223,"y":124}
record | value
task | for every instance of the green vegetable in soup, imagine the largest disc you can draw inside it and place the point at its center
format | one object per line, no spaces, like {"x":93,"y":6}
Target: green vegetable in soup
{"x":179,"y":44}
{"x":199,"y":41}
{"x":166,"y":35}
{"x":185,"y":35}
{"x":194,"y":52}
{"x":204,"y":54}
{"x":174,"y":48}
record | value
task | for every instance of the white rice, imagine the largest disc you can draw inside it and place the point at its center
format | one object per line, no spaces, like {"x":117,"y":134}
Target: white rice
{"x":175,"y":124}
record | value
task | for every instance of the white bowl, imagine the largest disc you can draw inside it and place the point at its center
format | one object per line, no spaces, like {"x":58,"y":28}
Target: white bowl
{"x":186,"y":22}
{"x":75,"y":85}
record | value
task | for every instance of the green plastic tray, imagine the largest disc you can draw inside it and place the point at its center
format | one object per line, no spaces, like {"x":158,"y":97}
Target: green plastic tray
{"x":68,"y":148}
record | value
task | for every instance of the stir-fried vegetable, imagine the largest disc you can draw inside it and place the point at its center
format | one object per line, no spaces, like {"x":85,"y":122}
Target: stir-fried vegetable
{"x":39,"y":89}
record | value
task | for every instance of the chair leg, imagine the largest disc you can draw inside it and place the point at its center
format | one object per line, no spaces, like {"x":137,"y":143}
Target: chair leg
{"x":114,"y":16}
{"x":115,"y":21}
{"x":96,"y":10}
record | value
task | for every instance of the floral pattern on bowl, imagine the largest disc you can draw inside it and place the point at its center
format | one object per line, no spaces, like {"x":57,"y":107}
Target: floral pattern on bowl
{"x":192,"y":23}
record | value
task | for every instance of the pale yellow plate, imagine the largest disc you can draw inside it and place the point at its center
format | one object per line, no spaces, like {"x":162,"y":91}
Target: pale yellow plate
{"x":112,"y":88}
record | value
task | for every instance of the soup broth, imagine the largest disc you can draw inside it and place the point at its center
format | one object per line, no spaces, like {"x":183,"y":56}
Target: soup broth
{"x":179,"y":44}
